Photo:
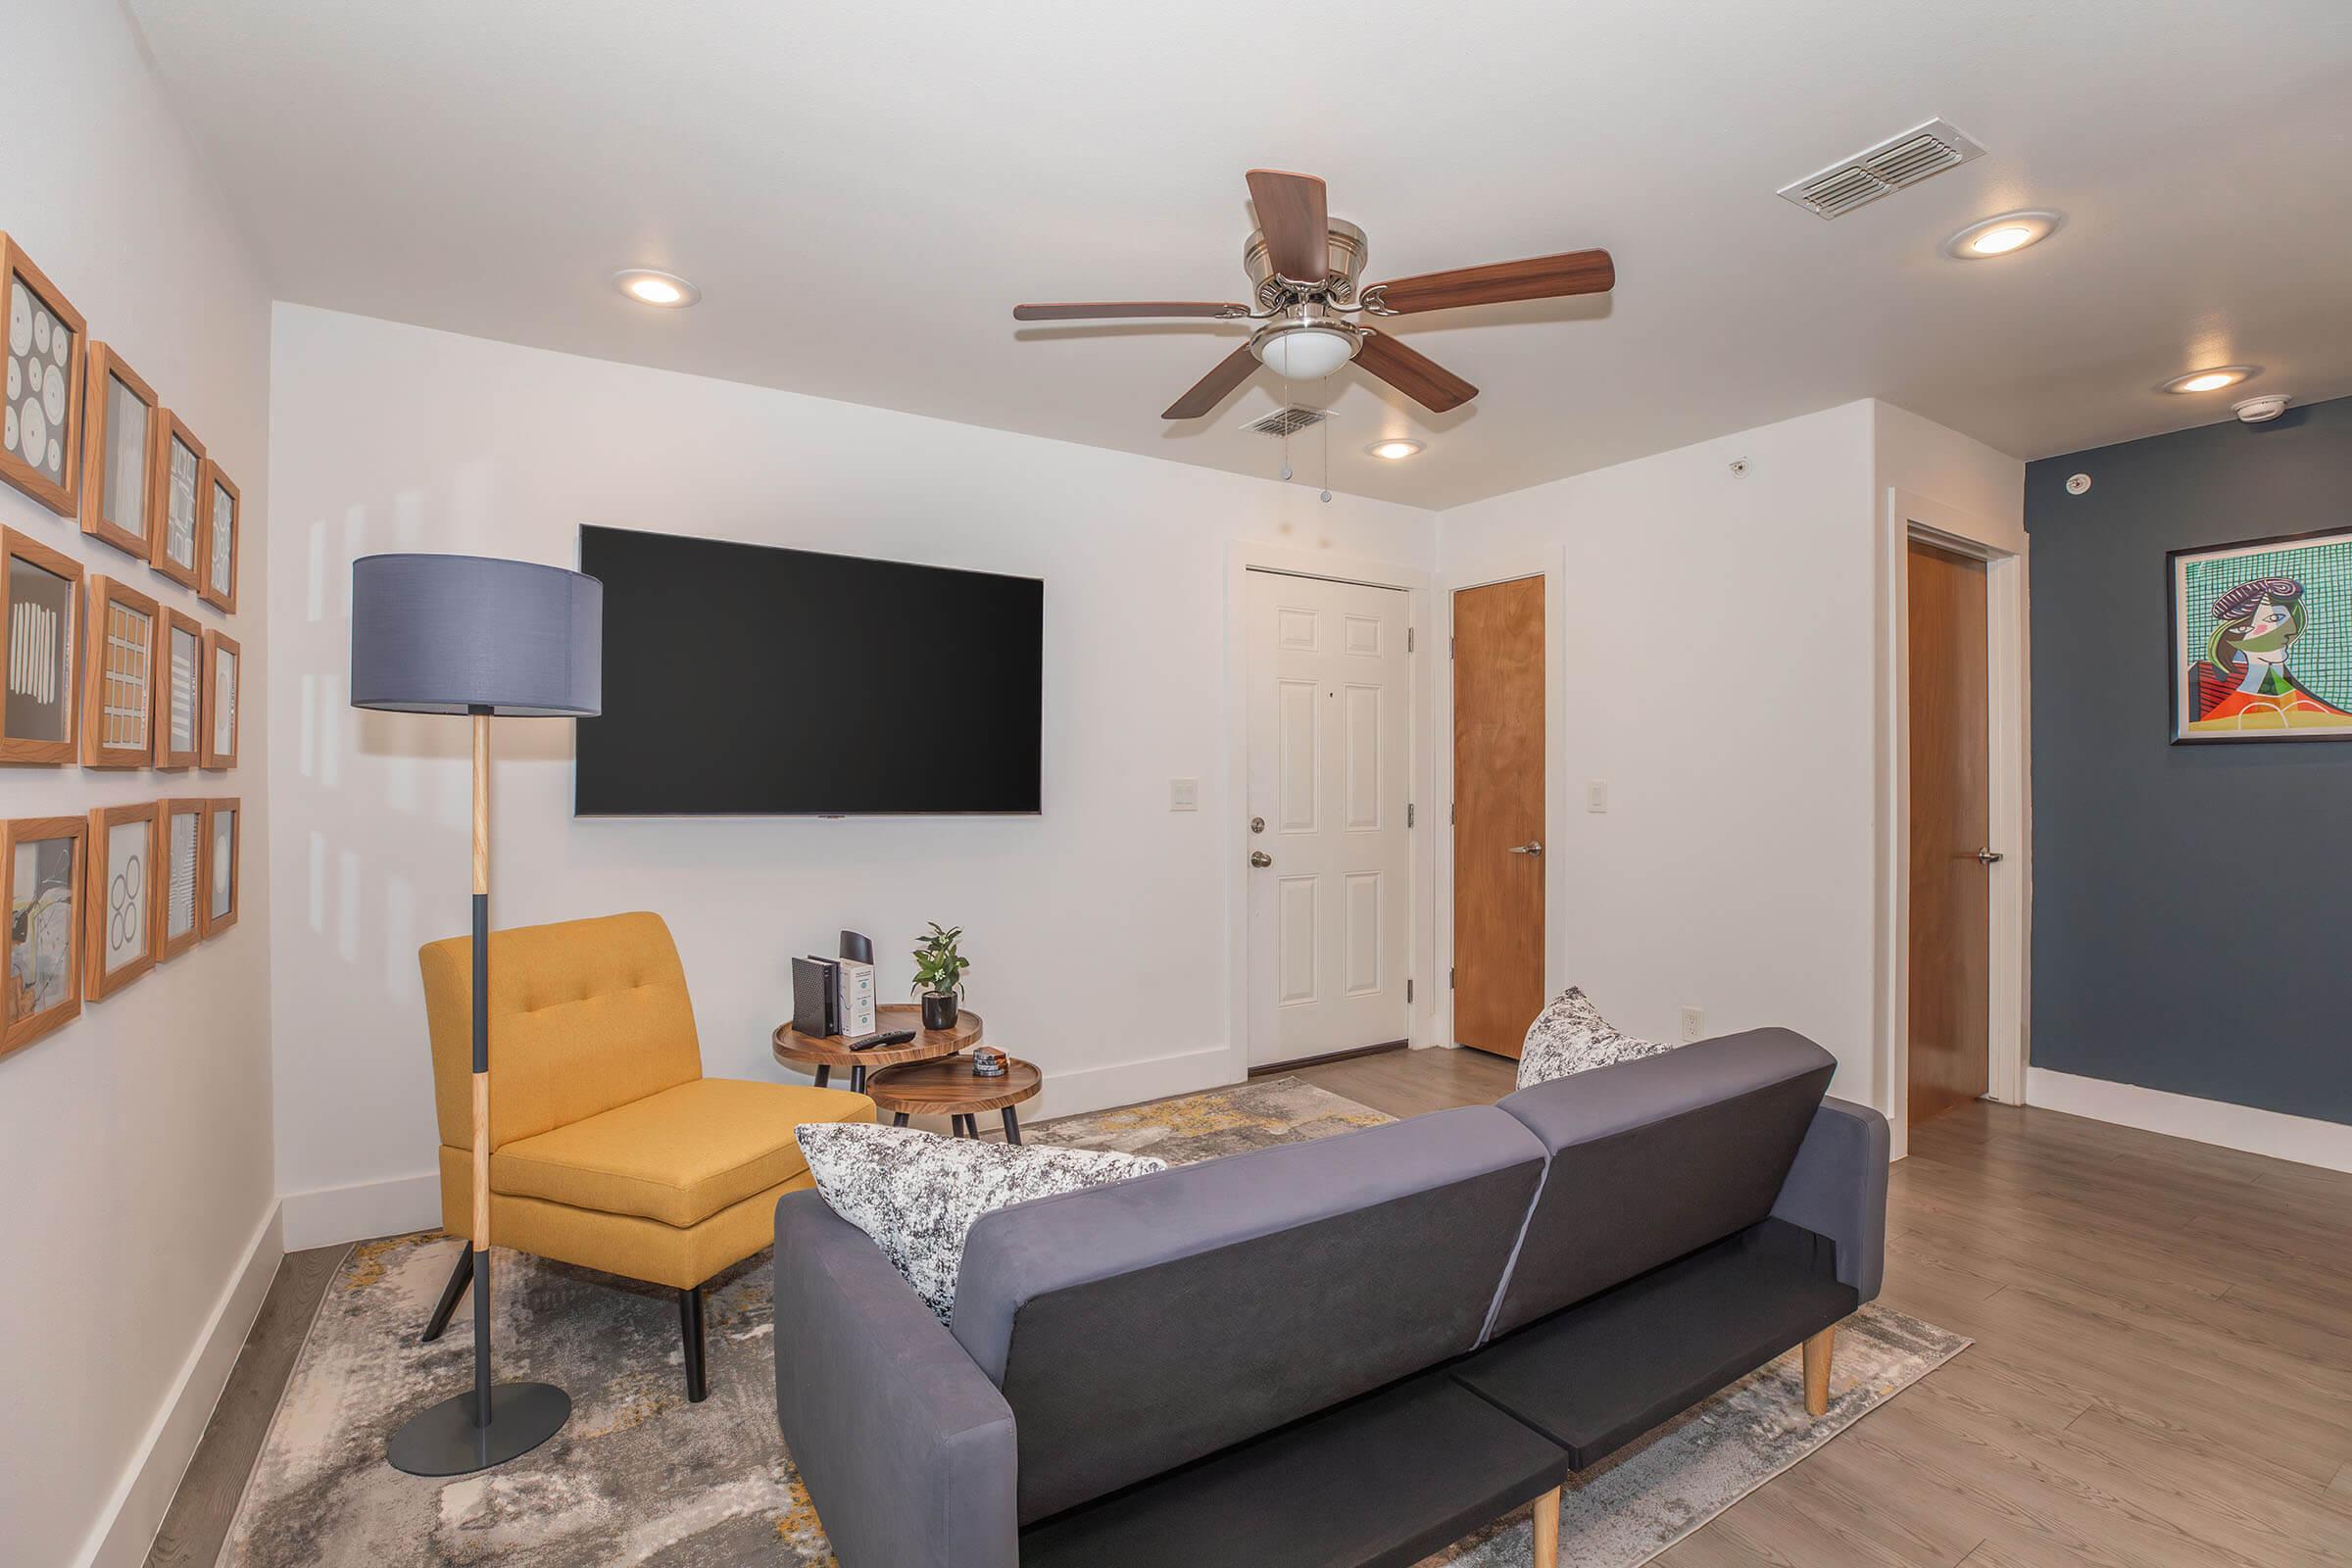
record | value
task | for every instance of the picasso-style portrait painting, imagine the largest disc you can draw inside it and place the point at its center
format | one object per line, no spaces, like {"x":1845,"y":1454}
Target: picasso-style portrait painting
{"x":2261,"y":640}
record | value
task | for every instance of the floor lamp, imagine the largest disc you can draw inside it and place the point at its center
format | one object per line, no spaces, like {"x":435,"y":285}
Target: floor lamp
{"x":467,"y":634}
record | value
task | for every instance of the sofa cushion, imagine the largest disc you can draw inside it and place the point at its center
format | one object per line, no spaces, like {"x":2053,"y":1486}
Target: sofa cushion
{"x":1570,"y":1035}
{"x":918,"y":1194}
{"x":678,"y":1156}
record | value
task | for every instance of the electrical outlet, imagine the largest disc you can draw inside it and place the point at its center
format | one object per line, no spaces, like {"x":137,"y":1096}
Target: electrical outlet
{"x":1596,"y":795}
{"x":1184,"y":795}
{"x":1694,"y":1024}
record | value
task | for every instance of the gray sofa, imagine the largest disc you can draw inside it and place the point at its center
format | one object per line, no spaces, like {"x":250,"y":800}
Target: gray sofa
{"x":1340,"y":1354}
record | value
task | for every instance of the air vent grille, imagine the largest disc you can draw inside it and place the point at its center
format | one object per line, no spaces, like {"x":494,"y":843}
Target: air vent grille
{"x":1287,"y":421}
{"x":1916,"y":154}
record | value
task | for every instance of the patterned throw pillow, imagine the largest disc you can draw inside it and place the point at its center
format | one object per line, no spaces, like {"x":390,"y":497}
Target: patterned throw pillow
{"x":1570,"y":1035}
{"x":918,"y":1194}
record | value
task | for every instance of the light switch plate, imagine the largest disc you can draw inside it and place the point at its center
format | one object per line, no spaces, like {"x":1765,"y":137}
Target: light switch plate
{"x":1184,"y":795}
{"x":1596,"y":795}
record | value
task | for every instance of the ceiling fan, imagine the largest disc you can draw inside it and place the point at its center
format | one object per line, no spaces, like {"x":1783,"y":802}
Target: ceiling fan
{"x":1303,"y":266}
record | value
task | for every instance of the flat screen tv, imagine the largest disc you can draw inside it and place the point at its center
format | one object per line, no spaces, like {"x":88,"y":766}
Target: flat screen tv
{"x":745,"y":680}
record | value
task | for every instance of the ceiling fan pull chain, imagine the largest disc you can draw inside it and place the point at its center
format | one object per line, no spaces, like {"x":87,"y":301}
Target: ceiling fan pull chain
{"x":1286,"y":431}
{"x":1325,"y":461}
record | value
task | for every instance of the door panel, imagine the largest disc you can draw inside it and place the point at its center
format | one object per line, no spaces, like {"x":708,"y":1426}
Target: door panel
{"x":1328,"y":727}
{"x":1950,"y":945}
{"x":1498,"y":807}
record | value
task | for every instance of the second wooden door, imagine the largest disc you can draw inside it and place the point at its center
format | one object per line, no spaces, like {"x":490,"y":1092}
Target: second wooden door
{"x":1951,"y":905}
{"x":1497,"y":814}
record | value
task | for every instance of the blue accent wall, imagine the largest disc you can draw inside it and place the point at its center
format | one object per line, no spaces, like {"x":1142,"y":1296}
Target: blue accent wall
{"x":2193,"y":904}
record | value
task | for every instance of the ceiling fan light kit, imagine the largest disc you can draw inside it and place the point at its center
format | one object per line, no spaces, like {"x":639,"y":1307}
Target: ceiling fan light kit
{"x":1305,"y":267}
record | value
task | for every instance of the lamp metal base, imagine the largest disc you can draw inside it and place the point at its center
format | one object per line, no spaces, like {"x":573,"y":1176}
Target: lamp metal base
{"x":443,"y":1441}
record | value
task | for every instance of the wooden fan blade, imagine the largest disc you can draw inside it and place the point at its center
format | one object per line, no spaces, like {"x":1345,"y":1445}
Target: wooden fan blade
{"x":1116,"y":310}
{"x":1295,"y":222}
{"x":1540,"y":277}
{"x":1214,"y":387}
{"x":1415,"y":374}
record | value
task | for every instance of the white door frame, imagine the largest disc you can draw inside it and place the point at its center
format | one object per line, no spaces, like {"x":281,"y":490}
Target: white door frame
{"x":1551,"y":565}
{"x":2003,"y":548}
{"x":1242,"y":556}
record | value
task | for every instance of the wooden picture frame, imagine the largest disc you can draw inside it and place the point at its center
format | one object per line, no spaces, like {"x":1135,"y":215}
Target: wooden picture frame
{"x":217,"y":885}
{"x":178,"y":691}
{"x":223,"y":689}
{"x":41,"y":982}
{"x":117,"y":452}
{"x":40,"y":444}
{"x":218,"y":563}
{"x":174,"y":472}
{"x":179,"y":879}
{"x":117,"y":696}
{"x":40,"y":652}
{"x":118,"y":898}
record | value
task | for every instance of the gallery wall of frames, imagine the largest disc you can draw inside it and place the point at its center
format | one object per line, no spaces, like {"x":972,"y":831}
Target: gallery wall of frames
{"x":100,"y":668}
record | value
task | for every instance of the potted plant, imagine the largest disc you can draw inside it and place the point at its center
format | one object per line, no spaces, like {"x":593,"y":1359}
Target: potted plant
{"x":938,"y":976}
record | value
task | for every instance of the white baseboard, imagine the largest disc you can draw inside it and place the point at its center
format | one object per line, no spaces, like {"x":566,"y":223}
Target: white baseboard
{"x":1127,"y":1083}
{"x":126,"y":1529}
{"x":329,"y":1217}
{"x":2304,"y":1139}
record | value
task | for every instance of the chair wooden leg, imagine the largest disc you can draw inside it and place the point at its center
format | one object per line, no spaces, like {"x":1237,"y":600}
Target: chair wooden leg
{"x":690,"y":1328}
{"x":1817,"y":1371}
{"x":451,"y":1293}
{"x":1547,"y":1529}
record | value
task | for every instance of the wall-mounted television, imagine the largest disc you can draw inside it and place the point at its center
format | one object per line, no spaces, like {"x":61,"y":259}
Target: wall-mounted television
{"x":748,"y":680}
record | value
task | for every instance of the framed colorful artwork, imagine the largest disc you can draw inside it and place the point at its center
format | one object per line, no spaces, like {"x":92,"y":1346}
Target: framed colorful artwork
{"x":180,"y":856}
{"x":118,"y":901}
{"x":40,"y":431}
{"x":222,"y":669}
{"x":117,"y":452}
{"x":40,"y":595}
{"x":2262,"y":639}
{"x":117,"y":698}
{"x":174,"y":463}
{"x":216,"y":882}
{"x":224,"y":509}
{"x":42,"y":858}
{"x":178,"y":692}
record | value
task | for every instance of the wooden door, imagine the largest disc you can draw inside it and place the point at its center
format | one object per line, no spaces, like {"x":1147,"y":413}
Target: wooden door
{"x":1497,"y":814}
{"x":1330,"y":907}
{"x":1950,"y":815}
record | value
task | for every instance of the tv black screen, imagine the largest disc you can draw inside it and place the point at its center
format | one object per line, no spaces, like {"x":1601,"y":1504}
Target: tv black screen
{"x":745,"y":680}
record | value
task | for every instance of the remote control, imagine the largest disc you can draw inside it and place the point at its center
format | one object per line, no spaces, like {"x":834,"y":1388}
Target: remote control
{"x":897,"y":1037}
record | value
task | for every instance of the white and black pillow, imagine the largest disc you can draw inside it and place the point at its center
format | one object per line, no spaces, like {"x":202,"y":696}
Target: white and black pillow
{"x":918,"y":1194}
{"x":1570,"y":1035}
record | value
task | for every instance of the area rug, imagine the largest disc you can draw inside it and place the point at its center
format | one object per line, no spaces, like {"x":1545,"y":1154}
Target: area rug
{"x":639,"y":1476}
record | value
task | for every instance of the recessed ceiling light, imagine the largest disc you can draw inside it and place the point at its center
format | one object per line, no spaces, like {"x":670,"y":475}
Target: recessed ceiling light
{"x":1396,"y":451}
{"x":647,"y":287}
{"x":1999,"y":236}
{"x":2212,"y":380}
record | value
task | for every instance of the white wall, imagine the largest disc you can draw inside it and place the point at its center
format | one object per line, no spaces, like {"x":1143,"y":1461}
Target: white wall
{"x":1097,"y":929}
{"x":134,"y":1141}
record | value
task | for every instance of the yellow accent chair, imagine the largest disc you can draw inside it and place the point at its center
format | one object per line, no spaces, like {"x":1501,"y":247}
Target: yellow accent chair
{"x":609,"y":1148}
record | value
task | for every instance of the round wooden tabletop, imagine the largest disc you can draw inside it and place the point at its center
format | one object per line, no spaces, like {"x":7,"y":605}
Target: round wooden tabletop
{"x":794,"y":1049}
{"x":949,"y":1088}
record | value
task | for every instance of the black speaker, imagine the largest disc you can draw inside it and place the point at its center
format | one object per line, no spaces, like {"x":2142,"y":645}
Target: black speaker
{"x":855,"y":947}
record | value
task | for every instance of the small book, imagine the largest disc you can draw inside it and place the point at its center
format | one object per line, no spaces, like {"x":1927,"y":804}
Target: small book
{"x":815,"y":997}
{"x":853,"y":994}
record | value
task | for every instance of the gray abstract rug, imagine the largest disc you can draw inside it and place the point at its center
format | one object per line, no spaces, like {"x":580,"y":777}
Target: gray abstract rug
{"x":639,"y":1476}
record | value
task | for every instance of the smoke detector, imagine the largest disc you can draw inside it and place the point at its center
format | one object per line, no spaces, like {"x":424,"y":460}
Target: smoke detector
{"x":2256,"y":411}
{"x":1920,"y":153}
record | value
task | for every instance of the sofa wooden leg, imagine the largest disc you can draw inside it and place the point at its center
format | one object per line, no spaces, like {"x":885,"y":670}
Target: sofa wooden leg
{"x":690,"y":1328}
{"x":1547,"y":1529}
{"x":1817,"y":1371}
{"x":451,"y":1293}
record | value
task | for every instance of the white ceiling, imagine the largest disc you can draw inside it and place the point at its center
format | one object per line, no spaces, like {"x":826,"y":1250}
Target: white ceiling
{"x":863,"y":191}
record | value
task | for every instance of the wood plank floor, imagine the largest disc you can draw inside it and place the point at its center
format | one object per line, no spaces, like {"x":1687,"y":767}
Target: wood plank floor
{"x":2162,"y":1373}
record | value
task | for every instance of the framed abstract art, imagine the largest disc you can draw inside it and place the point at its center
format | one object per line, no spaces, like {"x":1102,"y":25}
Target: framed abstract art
{"x":178,"y":692}
{"x":180,"y":857}
{"x":218,"y":879}
{"x":40,"y":597}
{"x":117,"y":700}
{"x":222,"y":671}
{"x":117,"y":452}
{"x":173,"y":524}
{"x":40,"y":429}
{"x":41,"y":857}
{"x":222,"y":505}
{"x":2261,"y":640}
{"x":118,"y":903}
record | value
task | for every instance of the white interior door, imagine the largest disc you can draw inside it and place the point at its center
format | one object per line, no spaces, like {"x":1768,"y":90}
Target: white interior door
{"x":1330,"y":901}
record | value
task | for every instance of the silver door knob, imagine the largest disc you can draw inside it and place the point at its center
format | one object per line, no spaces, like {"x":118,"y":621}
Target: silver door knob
{"x":1260,"y":858}
{"x":1257,"y":824}
{"x":1987,"y":856}
{"x":1531,"y":846}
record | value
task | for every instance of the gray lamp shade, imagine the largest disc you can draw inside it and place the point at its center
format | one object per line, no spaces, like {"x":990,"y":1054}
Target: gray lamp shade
{"x":451,"y":634}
